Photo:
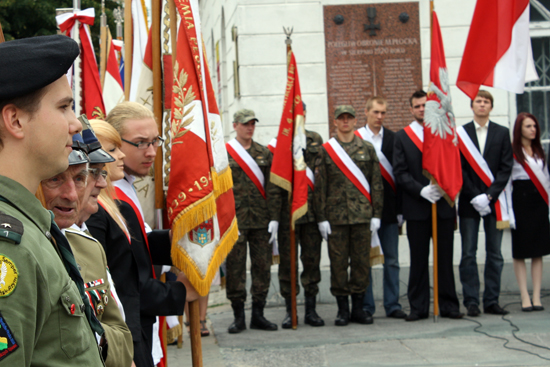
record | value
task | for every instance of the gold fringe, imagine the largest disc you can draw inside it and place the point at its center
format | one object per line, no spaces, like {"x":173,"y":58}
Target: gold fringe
{"x":301,"y":211}
{"x":183,"y":261}
{"x":281,"y":182}
{"x":503,"y":224}
{"x":275,"y":260}
{"x":173,"y":333}
{"x":194,"y":215}
{"x":222,"y":182}
{"x":375,"y":256}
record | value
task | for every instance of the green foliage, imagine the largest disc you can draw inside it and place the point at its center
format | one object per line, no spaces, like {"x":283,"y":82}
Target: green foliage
{"x":29,"y":18}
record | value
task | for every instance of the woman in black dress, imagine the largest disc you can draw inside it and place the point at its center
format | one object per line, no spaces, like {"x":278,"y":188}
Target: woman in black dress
{"x":529,"y":210}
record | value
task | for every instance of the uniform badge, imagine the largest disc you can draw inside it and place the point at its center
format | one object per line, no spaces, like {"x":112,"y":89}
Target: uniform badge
{"x":8,"y":276}
{"x":8,"y":344}
{"x":100,"y":309}
{"x":11,"y":228}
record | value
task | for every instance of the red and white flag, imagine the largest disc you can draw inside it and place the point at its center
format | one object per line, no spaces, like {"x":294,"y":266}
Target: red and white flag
{"x":498,"y":51}
{"x":113,"y":90}
{"x":309,"y":173}
{"x":288,"y":169}
{"x":140,"y":36}
{"x":441,"y":155}
{"x":200,"y":203}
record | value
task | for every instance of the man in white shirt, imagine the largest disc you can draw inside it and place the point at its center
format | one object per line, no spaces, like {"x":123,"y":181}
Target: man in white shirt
{"x":478,"y":200}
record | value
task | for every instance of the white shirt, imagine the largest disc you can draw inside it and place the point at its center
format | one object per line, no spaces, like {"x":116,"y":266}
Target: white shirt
{"x":481,"y":132}
{"x":519,"y":173}
{"x":376,"y":138}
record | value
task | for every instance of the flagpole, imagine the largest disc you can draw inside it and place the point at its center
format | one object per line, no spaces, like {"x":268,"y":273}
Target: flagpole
{"x":434,"y":217}
{"x":77,"y":80}
{"x":293,"y":315}
{"x":2,"y":39}
{"x":102,"y":43}
{"x":128,"y":44}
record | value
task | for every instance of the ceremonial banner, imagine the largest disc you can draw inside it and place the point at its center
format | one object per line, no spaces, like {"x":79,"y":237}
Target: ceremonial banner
{"x":309,"y":173}
{"x":140,"y":36}
{"x":113,"y":90}
{"x":92,"y":99}
{"x":498,"y":51}
{"x":200,"y":203}
{"x":288,"y":169}
{"x":441,"y":155}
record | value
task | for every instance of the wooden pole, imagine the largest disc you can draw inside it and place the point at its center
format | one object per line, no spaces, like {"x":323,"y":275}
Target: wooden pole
{"x":194,"y":324}
{"x":157,"y":96}
{"x":128,"y":48}
{"x":102,"y":43}
{"x":173,"y":29}
{"x":2,"y":39}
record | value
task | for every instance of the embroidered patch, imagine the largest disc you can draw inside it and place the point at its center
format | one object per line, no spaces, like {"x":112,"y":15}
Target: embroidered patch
{"x":8,"y":276}
{"x":11,"y":228}
{"x":8,"y":344}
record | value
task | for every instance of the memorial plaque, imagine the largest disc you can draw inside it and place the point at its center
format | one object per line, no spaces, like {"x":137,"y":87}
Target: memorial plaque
{"x":373,"y":49}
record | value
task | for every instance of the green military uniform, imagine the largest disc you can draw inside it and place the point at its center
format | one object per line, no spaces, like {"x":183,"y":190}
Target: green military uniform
{"x":306,"y":234}
{"x":42,"y":315}
{"x":253,"y":218}
{"x":338,"y":201}
{"x":92,"y":263}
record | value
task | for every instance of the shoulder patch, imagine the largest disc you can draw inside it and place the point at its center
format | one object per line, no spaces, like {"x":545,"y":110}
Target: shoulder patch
{"x":11,"y":228}
{"x":8,"y":344}
{"x":8,"y":276}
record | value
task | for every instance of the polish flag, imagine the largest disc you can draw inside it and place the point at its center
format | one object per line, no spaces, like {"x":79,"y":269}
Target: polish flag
{"x":113,"y":91}
{"x":498,"y":50}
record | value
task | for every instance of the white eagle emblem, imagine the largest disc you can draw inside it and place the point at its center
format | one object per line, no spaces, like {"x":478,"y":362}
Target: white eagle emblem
{"x":3,"y":273}
{"x":439,"y":116}
{"x":6,"y":225}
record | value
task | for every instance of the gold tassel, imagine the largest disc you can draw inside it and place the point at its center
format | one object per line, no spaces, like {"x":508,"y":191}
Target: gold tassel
{"x":298,"y":214}
{"x":375,"y":256}
{"x":275,"y":260}
{"x":503,"y":224}
{"x":222,"y":182}
{"x":281,"y":182}
{"x":173,"y":333}
{"x":193,"y":215}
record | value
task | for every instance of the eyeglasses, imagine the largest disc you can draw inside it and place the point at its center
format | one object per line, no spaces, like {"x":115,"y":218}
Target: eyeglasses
{"x":96,"y":172}
{"x":156,"y":142}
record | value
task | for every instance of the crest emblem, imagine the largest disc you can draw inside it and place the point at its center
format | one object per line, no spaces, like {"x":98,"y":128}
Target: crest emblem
{"x":8,"y":276}
{"x":203,"y":233}
{"x":439,"y":115}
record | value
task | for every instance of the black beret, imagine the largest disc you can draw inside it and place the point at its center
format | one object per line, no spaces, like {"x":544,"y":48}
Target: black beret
{"x":28,"y":64}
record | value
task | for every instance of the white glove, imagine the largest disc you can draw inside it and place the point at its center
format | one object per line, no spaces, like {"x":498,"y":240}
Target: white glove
{"x":400,"y":220}
{"x":374,"y":224}
{"x":512,"y":220}
{"x":485,"y":211}
{"x":324,"y":228}
{"x":480,"y":202}
{"x":273,"y":228}
{"x":431,"y":193}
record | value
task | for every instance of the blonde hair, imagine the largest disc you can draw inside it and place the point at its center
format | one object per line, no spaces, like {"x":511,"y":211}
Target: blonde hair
{"x":107,"y":133}
{"x":126,"y":111}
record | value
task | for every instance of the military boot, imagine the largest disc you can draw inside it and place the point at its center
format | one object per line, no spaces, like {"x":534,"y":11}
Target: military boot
{"x":287,"y":322}
{"x":357,"y":314}
{"x":342,"y":319}
{"x":238,"y":324}
{"x":311,"y":315}
{"x":258,"y":321}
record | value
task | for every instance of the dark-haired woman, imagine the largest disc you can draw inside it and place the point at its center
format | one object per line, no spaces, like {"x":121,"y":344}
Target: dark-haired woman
{"x":529,"y":220}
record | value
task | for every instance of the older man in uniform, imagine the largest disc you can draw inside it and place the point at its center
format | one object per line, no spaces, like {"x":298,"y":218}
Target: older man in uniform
{"x":67,"y":195}
{"x":250,"y":165}
{"x":44,"y":316}
{"x":349,"y":196}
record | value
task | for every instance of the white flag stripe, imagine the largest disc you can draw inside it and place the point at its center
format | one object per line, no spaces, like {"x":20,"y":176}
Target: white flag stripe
{"x":381,"y":157}
{"x":474,"y":152}
{"x":247,"y":158}
{"x":346,"y":159}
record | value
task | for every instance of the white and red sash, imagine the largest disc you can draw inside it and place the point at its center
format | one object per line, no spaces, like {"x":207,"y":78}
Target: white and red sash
{"x":247,"y":164}
{"x":309,"y":173}
{"x":537,"y":176}
{"x":347,"y":166}
{"x":415,"y":132}
{"x":386,"y":168}
{"x":481,"y":168}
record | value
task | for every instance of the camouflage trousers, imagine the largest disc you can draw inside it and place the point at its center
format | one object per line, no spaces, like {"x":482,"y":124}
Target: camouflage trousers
{"x":309,"y":238}
{"x":260,"y":259}
{"x":349,"y":246}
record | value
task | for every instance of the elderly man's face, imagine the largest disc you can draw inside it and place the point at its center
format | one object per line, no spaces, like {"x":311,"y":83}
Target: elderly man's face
{"x":96,"y":182}
{"x":62,"y":193}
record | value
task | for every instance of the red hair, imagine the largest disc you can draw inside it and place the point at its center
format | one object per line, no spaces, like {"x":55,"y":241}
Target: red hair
{"x":517,"y":147}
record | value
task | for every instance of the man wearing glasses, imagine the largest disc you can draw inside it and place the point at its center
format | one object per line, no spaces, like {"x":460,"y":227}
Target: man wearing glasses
{"x":138,"y":130}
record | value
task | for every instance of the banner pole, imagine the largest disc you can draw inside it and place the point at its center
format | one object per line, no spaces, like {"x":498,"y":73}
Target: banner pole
{"x":102,"y":43}
{"x":157,"y":97}
{"x":128,"y":48}
{"x":195,"y":334}
{"x":2,"y":39}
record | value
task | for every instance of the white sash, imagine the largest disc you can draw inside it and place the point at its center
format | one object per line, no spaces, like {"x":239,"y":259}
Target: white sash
{"x":540,"y":174}
{"x":384,"y":162}
{"x":248,"y":160}
{"x":418,"y":130}
{"x":351,"y":166}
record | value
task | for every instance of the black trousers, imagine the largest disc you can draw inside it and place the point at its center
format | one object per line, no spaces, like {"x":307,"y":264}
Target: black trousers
{"x":143,"y":348}
{"x":419,"y":233}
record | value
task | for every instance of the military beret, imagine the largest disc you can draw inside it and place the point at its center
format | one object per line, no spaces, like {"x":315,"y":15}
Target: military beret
{"x":243,"y":116}
{"x":28,"y":64}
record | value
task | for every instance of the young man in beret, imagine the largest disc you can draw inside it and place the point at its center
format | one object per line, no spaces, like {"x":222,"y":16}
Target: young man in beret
{"x":44,"y":318}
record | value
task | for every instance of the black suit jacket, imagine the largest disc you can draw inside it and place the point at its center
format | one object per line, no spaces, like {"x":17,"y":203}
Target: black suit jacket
{"x":407,"y":169}
{"x":392,"y":199}
{"x":499,"y":157}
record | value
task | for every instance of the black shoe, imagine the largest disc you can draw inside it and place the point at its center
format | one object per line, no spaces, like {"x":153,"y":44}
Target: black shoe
{"x":342,"y":318}
{"x":312,"y":318}
{"x":398,"y":314}
{"x":415,"y":317}
{"x":453,"y":315}
{"x":258,"y":321}
{"x":287,"y":321}
{"x":473,"y":310}
{"x":495,"y":309}
{"x":527,"y":309}
{"x":238,"y":324}
{"x":538,"y":308}
{"x":357,"y":314}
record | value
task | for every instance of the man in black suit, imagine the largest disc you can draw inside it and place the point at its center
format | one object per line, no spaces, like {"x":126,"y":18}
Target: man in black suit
{"x":478,"y":200}
{"x":418,"y":196}
{"x":382,"y":139}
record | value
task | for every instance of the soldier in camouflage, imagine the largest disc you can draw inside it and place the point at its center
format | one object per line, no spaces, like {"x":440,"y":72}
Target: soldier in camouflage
{"x":346,"y":217}
{"x":308,"y":236}
{"x":253,"y":219}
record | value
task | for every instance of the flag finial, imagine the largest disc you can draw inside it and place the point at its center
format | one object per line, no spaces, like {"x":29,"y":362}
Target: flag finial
{"x":288,"y":32}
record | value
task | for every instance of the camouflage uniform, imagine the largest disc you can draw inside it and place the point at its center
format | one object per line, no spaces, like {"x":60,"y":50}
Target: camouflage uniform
{"x":253,"y":218}
{"x":306,"y":232}
{"x":348,"y":211}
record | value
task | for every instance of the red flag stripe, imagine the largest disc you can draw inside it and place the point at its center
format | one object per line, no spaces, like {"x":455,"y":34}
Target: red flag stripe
{"x":542,"y":191}
{"x":245,"y":168}
{"x":412,"y":135}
